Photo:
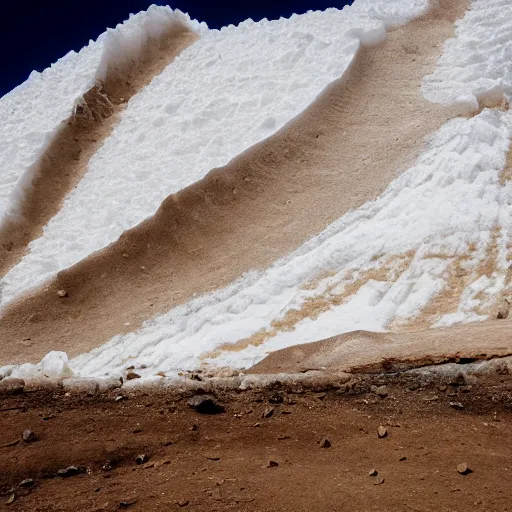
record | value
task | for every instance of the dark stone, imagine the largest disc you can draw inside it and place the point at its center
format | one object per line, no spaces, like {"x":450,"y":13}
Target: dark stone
{"x":206,"y":404}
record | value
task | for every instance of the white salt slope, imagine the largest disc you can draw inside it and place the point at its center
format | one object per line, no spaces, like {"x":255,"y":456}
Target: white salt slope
{"x":445,"y":207}
{"x":223,"y":94}
{"x":477,"y":63}
{"x":33,"y":112}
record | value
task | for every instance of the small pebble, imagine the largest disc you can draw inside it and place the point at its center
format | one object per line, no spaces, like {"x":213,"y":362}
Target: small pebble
{"x":382,"y":432}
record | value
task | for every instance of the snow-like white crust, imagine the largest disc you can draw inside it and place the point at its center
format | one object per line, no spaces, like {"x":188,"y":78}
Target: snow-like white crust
{"x":477,"y":63}
{"x":229,"y":90}
{"x":450,"y":200}
{"x":33,"y":113}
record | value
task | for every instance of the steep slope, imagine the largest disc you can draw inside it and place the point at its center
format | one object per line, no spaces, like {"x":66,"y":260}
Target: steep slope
{"x":57,"y":120}
{"x":229,"y":91}
{"x":340,"y":153}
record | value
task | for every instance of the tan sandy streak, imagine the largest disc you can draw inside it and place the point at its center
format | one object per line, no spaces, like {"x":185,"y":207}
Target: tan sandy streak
{"x":370,"y":351}
{"x":341,"y":152}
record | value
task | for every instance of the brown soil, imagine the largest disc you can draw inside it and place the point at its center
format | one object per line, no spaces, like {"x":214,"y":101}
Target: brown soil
{"x":221,"y":464}
{"x":372,"y":351}
{"x":340,"y":153}
{"x":65,"y":160}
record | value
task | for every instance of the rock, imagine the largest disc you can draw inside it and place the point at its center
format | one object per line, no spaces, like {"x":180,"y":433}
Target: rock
{"x":206,"y":404}
{"x":11,"y":386}
{"x":325,"y":443}
{"x":132,"y":376}
{"x":373,"y":472}
{"x":141,"y":459}
{"x":378,"y":481}
{"x":456,"y":405}
{"x":276,"y":398}
{"x":62,"y":294}
{"x":382,"y":432}
{"x":183,"y":503}
{"x":29,"y":436}
{"x":28,"y":482}
{"x":127,"y":503}
{"x":272,"y":464}
{"x":11,"y":498}
{"x":381,"y":391}
{"x":69,"y":471}
{"x":503,"y":310}
{"x":463,"y":468}
{"x":212,"y":457}
{"x":137,"y":430}
{"x":458,"y":381}
{"x":119,"y":398}
{"x":268,"y":412}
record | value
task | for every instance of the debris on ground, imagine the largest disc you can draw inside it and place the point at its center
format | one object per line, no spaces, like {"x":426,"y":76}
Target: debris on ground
{"x":206,"y":404}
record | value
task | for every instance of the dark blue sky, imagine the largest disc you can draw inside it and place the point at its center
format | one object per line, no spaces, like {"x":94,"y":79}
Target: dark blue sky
{"x":33,"y":34}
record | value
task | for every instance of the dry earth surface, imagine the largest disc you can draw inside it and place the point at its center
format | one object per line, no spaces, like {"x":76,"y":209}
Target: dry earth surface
{"x":221,"y":462}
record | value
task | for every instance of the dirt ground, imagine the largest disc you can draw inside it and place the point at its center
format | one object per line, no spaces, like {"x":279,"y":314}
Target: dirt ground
{"x":221,"y":462}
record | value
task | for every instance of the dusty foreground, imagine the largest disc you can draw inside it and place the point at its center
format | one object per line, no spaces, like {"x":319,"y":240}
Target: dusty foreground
{"x":223,"y":461}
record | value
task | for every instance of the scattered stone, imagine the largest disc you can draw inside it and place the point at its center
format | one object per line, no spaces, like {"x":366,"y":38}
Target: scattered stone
{"x":167,"y":443}
{"x":442,"y":388}
{"x":458,"y":381}
{"x":137,"y":430}
{"x":28,"y":482}
{"x":62,"y":294}
{"x":183,"y":503}
{"x":69,"y":471}
{"x":382,"y":432}
{"x":321,"y":396}
{"x":257,"y":425}
{"x":463,"y":468}
{"x":456,"y":405}
{"x":11,"y":386}
{"x":29,"y":436}
{"x":378,"y":481}
{"x":503,"y":310}
{"x":132,"y":376}
{"x":413,"y":387}
{"x":148,"y":465}
{"x":206,"y":404}
{"x":127,"y":503}
{"x":120,"y":398}
{"x":212,"y":457}
{"x":194,"y":428}
{"x":381,"y":391}
{"x":272,"y":464}
{"x":282,"y":438}
{"x":401,"y":459}
{"x":268,"y":412}
{"x":11,"y":498}
{"x":141,"y":459}
{"x":325,"y":443}
{"x":373,"y":472}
